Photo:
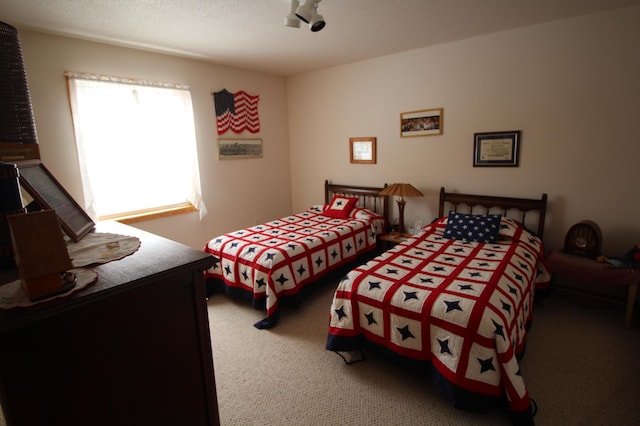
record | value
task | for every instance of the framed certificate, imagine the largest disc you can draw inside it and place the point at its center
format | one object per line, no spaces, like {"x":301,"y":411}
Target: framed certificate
{"x":496,"y":149}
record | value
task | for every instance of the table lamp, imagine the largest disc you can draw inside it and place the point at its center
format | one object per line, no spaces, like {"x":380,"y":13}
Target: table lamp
{"x":402,"y":190}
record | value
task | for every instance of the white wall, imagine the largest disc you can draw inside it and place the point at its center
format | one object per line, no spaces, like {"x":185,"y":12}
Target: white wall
{"x":237,"y":193}
{"x":572,"y":87}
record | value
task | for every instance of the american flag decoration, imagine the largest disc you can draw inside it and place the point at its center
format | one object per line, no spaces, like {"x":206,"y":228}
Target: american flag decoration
{"x":236,"y":111}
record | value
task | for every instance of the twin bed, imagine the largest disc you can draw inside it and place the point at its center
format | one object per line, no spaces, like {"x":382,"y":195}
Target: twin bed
{"x":275,"y":262}
{"x":455,"y":300}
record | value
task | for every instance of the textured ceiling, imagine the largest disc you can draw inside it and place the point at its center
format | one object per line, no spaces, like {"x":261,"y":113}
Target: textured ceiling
{"x":251,"y":33}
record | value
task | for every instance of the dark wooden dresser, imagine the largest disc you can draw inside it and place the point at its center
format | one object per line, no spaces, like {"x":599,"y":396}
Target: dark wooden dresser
{"x":132,"y":349}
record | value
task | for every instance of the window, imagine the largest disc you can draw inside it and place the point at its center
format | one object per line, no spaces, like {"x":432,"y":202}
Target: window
{"x":136,"y":146}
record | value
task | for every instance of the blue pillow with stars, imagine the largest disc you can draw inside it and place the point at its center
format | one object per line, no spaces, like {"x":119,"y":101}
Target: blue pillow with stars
{"x":482,"y":228}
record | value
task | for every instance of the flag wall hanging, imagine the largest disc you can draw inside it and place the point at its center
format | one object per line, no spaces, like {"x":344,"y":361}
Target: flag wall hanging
{"x":236,"y":111}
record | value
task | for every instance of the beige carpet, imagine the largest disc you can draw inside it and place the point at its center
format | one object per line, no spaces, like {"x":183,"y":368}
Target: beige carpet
{"x":581,"y":366}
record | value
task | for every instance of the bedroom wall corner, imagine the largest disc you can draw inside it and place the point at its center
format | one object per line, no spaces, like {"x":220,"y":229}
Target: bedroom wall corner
{"x":570,"y":86}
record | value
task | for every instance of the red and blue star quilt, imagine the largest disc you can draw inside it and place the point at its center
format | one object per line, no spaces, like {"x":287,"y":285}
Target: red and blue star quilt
{"x":460,"y":308}
{"x":278,"y":258}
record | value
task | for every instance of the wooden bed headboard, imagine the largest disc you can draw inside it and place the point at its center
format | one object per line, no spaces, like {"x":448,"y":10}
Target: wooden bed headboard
{"x":517,"y":208}
{"x":368,"y":196}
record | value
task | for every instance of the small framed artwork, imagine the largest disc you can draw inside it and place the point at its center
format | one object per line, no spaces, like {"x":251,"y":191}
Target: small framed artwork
{"x":362,"y":150}
{"x":49,"y":194}
{"x":426,"y":122}
{"x":239,"y":148}
{"x":495,"y":149}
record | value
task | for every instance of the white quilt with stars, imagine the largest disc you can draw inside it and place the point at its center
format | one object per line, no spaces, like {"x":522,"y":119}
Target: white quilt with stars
{"x":462,"y":306}
{"x":278,"y":258}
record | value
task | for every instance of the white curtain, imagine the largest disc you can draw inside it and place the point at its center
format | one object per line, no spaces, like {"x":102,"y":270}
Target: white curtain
{"x":136,"y":144}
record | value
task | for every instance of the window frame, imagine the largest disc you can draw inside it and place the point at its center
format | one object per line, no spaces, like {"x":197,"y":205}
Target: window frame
{"x":193,"y":195}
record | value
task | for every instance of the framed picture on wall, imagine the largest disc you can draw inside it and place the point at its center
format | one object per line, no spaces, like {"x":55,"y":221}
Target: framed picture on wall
{"x":496,"y":149}
{"x":425,"y":122}
{"x":362,"y":150}
{"x":239,"y":148}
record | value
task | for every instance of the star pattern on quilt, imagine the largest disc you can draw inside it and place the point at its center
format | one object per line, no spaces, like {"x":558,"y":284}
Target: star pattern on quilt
{"x":444,"y":346}
{"x":453,"y":305}
{"x":404,"y":331}
{"x":340,"y":312}
{"x":499,"y":329}
{"x":370,"y":318}
{"x":409,"y":295}
{"x":216,"y":262}
{"x":486,"y":365}
{"x":282,"y":279}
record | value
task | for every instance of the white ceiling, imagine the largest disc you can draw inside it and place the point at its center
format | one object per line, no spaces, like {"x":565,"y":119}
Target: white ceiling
{"x":251,"y":33}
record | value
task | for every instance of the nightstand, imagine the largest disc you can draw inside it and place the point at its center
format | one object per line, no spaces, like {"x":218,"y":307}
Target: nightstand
{"x":392,"y":238}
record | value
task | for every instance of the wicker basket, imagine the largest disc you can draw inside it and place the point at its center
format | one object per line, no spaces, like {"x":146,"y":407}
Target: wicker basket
{"x":17,"y":124}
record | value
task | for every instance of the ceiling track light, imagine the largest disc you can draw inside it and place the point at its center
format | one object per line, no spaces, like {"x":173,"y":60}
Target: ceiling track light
{"x":291,"y":20}
{"x":307,"y":12}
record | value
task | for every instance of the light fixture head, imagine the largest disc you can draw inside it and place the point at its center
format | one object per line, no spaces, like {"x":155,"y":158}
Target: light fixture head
{"x":317,"y":23}
{"x":308,"y":13}
{"x":291,"y":20}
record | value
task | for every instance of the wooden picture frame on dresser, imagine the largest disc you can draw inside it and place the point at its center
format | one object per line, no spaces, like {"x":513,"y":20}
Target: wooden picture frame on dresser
{"x":48,"y":193}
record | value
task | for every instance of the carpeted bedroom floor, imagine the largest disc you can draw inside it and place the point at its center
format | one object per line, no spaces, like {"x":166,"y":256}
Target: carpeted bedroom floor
{"x":582,"y":367}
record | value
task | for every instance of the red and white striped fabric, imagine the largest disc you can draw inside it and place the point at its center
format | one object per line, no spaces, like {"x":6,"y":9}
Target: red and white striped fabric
{"x":236,"y":112}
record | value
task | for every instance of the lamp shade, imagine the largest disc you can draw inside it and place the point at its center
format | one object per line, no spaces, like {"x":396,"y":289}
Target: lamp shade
{"x":402,"y":190}
{"x":17,"y":124}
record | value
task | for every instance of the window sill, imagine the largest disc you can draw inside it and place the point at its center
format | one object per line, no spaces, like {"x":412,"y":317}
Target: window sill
{"x":151,"y":214}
